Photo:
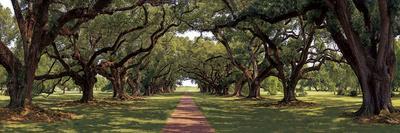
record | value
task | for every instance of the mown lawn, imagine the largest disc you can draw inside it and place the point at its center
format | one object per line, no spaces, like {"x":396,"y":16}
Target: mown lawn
{"x":227,"y":114}
{"x":147,"y":115}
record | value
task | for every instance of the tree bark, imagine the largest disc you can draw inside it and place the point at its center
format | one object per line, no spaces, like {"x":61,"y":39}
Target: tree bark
{"x":86,"y":83}
{"x":16,"y":85}
{"x":254,"y":89}
{"x":373,"y":65}
{"x":289,"y":92}
{"x":87,"y":89}
{"x":147,"y":91}
{"x":17,"y":90}
{"x":376,"y":92}
{"x":118,"y":82}
{"x":238,"y":87}
{"x":135,"y":86}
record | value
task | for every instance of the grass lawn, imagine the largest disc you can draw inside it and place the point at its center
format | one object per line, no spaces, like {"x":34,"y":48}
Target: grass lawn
{"x":147,"y":115}
{"x":225,"y":114}
{"x":240,"y":116}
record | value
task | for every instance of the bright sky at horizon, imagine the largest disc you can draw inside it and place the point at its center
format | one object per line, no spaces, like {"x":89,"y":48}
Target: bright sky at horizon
{"x":192,"y":34}
{"x":7,"y":3}
{"x":188,"y":83}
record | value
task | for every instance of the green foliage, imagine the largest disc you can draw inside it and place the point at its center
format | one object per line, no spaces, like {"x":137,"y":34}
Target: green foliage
{"x":102,"y":83}
{"x":272,"y":85}
{"x":8,"y":27}
{"x":333,"y":77}
{"x":8,"y":35}
{"x":107,"y":88}
{"x":396,"y":82}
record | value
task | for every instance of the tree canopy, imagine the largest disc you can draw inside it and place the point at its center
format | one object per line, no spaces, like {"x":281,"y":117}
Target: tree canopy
{"x":135,"y":47}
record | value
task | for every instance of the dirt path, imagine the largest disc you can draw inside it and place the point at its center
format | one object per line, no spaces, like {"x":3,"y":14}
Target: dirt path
{"x":187,"y":118}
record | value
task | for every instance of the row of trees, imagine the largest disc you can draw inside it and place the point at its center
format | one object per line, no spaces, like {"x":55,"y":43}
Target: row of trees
{"x":290,"y":39}
{"x":64,"y":43}
{"x":60,"y":42}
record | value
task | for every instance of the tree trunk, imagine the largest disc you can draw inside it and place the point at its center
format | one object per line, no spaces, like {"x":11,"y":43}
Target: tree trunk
{"x":31,"y":65}
{"x":226,"y":89}
{"x":136,"y":91}
{"x":113,"y":88}
{"x":87,"y":90}
{"x":147,"y":91}
{"x":21,"y":82}
{"x":167,"y":90}
{"x":373,"y":63}
{"x":119,"y":90}
{"x":376,"y":91}
{"x":135,"y":86}
{"x":238,"y":87}
{"x":17,"y":90}
{"x":86,"y":83}
{"x":254,"y":89}
{"x":289,"y":94}
{"x":118,"y":76}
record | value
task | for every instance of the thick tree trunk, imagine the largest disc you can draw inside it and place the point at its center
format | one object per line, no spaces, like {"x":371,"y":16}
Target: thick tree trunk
{"x":289,"y":94}
{"x":119,"y":90}
{"x":373,"y":63}
{"x":254,"y":89}
{"x":376,"y":94}
{"x":87,"y":90}
{"x":86,"y":83}
{"x":17,"y":90}
{"x":135,"y":86}
{"x":21,"y":81}
{"x":118,"y":76}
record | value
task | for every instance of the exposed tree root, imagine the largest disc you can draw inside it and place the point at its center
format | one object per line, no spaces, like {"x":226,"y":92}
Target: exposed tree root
{"x":123,"y":97}
{"x":384,"y":117}
{"x":249,"y":99}
{"x":128,"y":98}
{"x":33,"y":114}
{"x":296,"y":103}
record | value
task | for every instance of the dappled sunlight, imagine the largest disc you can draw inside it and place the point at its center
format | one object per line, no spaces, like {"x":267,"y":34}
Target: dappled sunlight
{"x":148,"y":115}
{"x":187,"y":89}
{"x":229,"y":115}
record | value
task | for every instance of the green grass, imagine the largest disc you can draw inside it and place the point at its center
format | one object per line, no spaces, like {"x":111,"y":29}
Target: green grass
{"x":148,"y":115}
{"x":187,"y":89}
{"x":227,"y":114}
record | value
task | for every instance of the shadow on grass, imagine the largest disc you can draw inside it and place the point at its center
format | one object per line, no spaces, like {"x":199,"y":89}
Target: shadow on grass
{"x":229,"y":115}
{"x":147,"y":115}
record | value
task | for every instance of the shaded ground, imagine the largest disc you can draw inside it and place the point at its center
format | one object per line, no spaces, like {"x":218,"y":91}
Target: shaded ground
{"x":187,"y":119}
{"x":231,"y":115}
{"x":147,"y":115}
{"x":33,"y":113}
{"x":225,"y":114}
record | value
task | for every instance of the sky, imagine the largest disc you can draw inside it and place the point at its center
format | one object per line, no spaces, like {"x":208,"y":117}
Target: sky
{"x":188,"y":83}
{"x":7,"y":3}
